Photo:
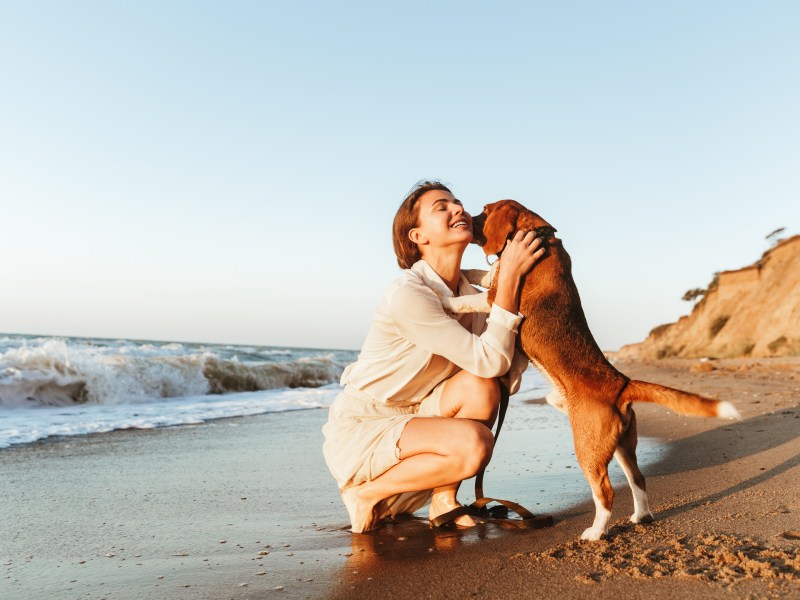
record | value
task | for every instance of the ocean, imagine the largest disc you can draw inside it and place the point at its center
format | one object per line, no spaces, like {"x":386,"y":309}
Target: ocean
{"x":59,"y":386}
{"x":71,"y":386}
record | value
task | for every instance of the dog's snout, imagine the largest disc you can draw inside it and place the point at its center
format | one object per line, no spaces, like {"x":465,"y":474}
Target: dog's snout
{"x":477,"y":229}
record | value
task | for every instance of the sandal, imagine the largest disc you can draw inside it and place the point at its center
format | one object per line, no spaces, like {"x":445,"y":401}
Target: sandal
{"x":499,"y":514}
{"x":446,"y":518}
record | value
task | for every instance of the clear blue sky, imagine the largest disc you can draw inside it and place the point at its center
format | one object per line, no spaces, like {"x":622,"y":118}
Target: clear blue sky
{"x":228,"y":171}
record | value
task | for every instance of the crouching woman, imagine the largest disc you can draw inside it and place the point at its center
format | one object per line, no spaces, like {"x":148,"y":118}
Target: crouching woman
{"x":414,"y":417}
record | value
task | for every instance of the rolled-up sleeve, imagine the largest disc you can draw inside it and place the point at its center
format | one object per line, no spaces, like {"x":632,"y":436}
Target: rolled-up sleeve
{"x":420,"y":318}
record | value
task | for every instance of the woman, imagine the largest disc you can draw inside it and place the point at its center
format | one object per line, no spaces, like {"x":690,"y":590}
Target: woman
{"x":414,"y":417}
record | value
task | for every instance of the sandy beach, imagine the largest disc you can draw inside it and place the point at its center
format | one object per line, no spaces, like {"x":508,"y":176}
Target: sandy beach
{"x":245,"y":508}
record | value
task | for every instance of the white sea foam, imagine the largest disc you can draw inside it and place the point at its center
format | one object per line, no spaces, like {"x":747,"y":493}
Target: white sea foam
{"x":80,"y":385}
{"x":73,"y":386}
{"x":55,"y":372}
{"x":275,"y":352}
{"x":24,"y":425}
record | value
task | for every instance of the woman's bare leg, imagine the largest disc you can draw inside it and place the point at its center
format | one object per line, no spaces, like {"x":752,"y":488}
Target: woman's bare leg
{"x":434,"y":452}
{"x":465,"y":396}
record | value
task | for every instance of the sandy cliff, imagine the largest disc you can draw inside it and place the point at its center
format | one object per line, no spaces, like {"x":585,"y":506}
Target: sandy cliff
{"x":754,"y":311}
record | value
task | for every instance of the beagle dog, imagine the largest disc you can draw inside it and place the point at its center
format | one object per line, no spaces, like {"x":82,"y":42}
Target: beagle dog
{"x":555,"y":336}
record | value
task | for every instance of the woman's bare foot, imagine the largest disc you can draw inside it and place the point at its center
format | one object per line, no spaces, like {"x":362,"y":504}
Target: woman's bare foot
{"x":442,"y":502}
{"x":363,"y":516}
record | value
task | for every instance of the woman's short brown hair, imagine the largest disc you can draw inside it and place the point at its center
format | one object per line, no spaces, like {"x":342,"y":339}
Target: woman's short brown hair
{"x":406,"y":219}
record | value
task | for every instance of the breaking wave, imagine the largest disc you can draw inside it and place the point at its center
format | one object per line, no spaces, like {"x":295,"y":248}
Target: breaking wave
{"x":53,"y":372}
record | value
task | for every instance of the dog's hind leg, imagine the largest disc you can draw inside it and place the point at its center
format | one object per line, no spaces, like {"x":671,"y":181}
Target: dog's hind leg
{"x":626,"y":457}
{"x":595,"y":442}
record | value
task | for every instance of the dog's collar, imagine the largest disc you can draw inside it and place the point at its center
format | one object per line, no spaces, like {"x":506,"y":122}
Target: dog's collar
{"x":543,"y":231}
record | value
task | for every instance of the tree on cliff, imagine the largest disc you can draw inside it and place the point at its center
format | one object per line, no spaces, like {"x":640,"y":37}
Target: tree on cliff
{"x":772,"y":237}
{"x":693,"y":294}
{"x":696,"y":293}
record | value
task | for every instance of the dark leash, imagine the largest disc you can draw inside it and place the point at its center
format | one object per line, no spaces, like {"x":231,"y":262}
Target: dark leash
{"x":499,"y":513}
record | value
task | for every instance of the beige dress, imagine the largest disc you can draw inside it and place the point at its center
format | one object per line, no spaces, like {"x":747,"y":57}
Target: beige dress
{"x":412,"y":348}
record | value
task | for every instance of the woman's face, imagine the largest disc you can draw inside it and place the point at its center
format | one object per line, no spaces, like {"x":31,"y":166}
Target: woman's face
{"x":442,"y":221}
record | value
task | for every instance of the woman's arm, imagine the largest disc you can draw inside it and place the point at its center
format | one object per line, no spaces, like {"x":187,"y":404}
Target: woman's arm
{"x":419,"y":317}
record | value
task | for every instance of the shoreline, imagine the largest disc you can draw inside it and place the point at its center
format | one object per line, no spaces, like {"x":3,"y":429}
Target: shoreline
{"x":188,"y":511}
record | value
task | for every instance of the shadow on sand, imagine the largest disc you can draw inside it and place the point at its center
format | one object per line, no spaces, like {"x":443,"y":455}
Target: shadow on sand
{"x":728,"y":443}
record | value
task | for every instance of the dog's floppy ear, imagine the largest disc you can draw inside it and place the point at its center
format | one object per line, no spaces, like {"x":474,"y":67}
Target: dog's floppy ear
{"x":500,"y":225}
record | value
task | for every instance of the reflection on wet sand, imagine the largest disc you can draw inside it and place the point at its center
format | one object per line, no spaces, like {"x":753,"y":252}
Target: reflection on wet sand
{"x":413,"y":537}
{"x":408,"y":537}
{"x":407,"y":541}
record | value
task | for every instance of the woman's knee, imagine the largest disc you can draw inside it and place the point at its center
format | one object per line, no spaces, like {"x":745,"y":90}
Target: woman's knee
{"x":485,"y":387}
{"x":485,"y":399}
{"x":475,"y":448}
{"x":473,"y":397}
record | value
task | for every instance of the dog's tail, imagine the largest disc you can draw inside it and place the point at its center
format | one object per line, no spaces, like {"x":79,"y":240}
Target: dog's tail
{"x":678,"y":401}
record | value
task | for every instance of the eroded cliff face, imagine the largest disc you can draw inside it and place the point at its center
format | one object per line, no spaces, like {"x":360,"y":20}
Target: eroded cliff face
{"x":754,"y":311}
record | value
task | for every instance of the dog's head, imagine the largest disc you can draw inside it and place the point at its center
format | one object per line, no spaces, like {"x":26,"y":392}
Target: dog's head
{"x":499,"y":222}
{"x":495,"y":225}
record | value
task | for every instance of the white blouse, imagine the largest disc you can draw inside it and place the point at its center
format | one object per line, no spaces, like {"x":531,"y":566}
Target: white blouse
{"x":414,"y":344}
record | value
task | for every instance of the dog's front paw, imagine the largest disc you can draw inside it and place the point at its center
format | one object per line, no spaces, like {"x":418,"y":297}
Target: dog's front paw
{"x":593,"y":534}
{"x":447,"y":304}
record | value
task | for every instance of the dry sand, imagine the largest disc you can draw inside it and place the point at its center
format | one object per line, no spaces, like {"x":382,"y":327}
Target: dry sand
{"x":244,"y":508}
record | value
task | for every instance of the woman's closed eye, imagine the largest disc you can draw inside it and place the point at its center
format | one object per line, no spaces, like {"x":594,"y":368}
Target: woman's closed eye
{"x":443,"y":204}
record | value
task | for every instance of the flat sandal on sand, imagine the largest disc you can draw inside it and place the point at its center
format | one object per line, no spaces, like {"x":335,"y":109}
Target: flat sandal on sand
{"x":446,"y":518}
{"x":495,"y":514}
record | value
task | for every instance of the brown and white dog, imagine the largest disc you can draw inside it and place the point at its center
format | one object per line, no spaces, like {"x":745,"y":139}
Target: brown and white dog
{"x":556,"y":338}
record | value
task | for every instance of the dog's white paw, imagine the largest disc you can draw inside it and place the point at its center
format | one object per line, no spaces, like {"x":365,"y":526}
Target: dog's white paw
{"x":645,"y":517}
{"x":593,"y":534}
{"x":726,"y":410}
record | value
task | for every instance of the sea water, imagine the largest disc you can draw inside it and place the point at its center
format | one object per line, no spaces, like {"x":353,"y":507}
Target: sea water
{"x":73,"y":386}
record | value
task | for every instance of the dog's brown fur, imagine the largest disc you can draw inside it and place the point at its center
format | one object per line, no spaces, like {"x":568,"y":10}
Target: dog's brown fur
{"x":596,"y":396}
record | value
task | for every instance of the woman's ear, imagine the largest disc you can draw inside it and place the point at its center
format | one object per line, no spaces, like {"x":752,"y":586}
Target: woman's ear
{"x":500,"y":225}
{"x":416,"y":236}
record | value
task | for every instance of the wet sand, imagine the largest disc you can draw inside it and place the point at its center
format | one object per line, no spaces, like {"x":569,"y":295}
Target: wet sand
{"x":245,"y":508}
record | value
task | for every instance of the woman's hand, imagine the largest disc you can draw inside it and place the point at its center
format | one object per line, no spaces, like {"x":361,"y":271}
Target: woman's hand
{"x":519,"y":256}
{"x":521,"y":253}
